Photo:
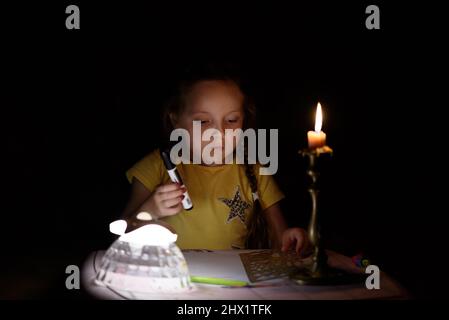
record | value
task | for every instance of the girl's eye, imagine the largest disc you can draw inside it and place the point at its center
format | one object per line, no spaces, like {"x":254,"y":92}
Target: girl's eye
{"x":202,"y":121}
{"x":233,"y":120}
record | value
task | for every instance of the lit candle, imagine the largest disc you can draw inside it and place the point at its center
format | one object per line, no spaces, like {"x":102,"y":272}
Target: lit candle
{"x":317,"y":138}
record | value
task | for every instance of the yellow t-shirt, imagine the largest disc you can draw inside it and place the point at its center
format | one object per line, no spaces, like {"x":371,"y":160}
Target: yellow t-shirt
{"x":221,"y":197}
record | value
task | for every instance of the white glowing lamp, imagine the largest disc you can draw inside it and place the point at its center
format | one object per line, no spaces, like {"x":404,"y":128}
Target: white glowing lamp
{"x":150,"y":235}
{"x":144,"y":260}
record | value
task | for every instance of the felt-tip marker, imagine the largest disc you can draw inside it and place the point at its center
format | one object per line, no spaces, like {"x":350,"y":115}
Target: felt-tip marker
{"x":176,"y":177}
{"x":219,"y":281}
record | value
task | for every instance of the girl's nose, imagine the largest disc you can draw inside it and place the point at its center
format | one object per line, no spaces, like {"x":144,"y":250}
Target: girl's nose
{"x":219,"y":134}
{"x":220,"y":129}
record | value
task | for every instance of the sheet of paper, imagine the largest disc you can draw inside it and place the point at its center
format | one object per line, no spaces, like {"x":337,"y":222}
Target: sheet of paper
{"x":218,"y":264}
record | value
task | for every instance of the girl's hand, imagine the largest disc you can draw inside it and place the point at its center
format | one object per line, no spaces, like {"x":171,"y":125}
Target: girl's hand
{"x":296,"y":237}
{"x":165,"y":200}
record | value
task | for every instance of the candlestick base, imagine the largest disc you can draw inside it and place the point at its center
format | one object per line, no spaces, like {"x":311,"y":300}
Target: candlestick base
{"x":326,"y":276}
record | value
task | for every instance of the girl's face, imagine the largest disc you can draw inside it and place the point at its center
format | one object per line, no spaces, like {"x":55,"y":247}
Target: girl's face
{"x":218,"y":105}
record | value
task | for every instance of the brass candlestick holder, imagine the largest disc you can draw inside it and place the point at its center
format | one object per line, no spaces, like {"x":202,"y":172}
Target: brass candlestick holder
{"x":318,"y":272}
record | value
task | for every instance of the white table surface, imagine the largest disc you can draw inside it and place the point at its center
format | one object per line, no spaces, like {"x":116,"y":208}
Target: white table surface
{"x":227,"y":264}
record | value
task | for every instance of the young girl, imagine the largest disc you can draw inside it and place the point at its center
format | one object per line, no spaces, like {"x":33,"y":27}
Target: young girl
{"x":225,"y":213}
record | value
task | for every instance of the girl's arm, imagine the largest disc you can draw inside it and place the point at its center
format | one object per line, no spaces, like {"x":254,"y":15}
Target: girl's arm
{"x":283,"y":236}
{"x":276,"y":223}
{"x":164,"y":201}
{"x":137,"y":197}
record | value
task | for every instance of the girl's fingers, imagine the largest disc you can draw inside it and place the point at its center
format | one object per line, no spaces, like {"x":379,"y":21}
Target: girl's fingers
{"x":286,"y":242}
{"x":172,"y":202}
{"x":168,"y":187}
{"x":292,"y":236}
{"x":174,"y":210}
{"x":171,"y":194}
{"x":299,"y":242}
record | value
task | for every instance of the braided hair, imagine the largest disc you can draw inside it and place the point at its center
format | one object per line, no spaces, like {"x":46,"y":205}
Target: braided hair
{"x":257,"y":236}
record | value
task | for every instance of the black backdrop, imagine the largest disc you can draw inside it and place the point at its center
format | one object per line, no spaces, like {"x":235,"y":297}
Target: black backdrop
{"x":81,"y":106}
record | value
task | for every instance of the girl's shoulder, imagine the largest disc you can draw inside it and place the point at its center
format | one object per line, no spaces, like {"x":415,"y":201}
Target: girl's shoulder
{"x":152,"y":159}
{"x":150,"y":165}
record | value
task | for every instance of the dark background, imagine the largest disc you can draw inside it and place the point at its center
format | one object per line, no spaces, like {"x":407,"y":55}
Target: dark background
{"x":79,"y":107}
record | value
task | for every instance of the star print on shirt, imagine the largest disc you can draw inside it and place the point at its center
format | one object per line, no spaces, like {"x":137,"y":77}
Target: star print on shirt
{"x":237,"y":206}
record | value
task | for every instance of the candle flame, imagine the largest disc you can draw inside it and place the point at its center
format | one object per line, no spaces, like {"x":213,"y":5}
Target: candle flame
{"x":318,"y":118}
